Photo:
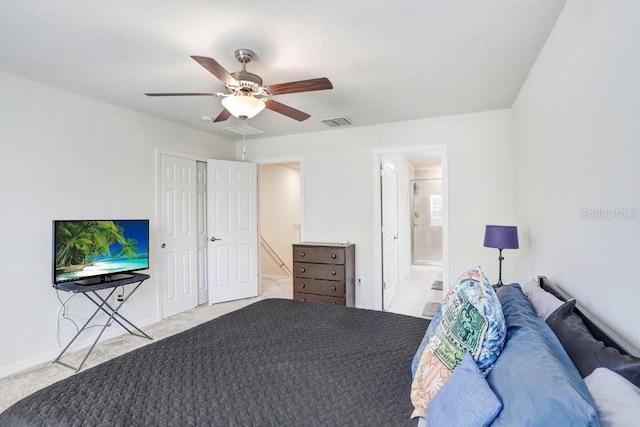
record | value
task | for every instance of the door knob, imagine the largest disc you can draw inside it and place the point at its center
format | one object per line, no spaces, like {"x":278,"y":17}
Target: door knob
{"x":213,"y":239}
{"x":164,"y":245}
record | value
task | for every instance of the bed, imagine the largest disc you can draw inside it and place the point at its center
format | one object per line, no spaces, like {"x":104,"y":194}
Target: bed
{"x":283,"y":362}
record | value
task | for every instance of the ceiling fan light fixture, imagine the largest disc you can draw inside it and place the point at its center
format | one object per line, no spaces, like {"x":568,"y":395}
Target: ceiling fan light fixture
{"x":243,"y":105}
{"x":246,"y":96}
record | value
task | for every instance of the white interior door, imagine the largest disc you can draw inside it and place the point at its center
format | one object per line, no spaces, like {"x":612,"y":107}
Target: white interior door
{"x":203,"y":291}
{"x":232,"y":227}
{"x":390,"y":249}
{"x":178,"y":245}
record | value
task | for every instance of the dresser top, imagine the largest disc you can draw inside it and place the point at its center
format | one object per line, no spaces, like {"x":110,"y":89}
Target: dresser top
{"x":325,"y":244}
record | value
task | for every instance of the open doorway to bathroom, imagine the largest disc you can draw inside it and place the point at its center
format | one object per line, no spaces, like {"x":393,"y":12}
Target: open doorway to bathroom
{"x":422,"y":204}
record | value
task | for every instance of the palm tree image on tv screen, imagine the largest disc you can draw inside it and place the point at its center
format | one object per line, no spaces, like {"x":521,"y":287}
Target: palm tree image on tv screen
{"x":99,"y":248}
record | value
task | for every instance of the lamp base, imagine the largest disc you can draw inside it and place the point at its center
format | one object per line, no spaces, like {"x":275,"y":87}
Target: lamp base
{"x":500,"y":259}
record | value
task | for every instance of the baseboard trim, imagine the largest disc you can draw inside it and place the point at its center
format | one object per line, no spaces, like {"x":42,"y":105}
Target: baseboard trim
{"x":81,"y":344}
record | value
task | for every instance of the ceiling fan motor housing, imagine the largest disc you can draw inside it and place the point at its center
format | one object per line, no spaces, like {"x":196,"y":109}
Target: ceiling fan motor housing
{"x":247,"y":81}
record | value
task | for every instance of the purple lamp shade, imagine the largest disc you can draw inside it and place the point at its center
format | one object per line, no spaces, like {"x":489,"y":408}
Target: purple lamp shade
{"x":501,"y":237}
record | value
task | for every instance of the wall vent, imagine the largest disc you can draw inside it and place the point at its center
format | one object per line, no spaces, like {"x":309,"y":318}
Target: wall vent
{"x":338,"y":121}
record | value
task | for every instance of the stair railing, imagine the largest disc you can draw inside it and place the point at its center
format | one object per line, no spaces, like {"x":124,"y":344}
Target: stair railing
{"x":274,"y":255}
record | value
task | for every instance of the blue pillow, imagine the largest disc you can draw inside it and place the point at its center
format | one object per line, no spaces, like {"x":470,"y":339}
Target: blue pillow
{"x":465,"y":400}
{"x":534,"y":378}
{"x":431,"y":330}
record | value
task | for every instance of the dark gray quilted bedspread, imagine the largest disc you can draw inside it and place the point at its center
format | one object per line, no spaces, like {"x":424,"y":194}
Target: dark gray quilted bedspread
{"x":275,"y":362}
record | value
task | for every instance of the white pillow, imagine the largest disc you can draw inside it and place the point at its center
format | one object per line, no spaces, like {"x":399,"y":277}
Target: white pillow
{"x":531,"y":283}
{"x":617,"y":399}
{"x":544,"y":302}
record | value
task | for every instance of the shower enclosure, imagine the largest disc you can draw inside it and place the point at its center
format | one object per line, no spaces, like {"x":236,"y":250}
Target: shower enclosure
{"x":426,"y":220}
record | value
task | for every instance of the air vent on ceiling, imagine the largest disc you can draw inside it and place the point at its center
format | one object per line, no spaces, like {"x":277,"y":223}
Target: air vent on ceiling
{"x":338,"y":121}
{"x":244,"y":130}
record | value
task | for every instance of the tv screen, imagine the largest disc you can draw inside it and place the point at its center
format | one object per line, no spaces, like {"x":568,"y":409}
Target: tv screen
{"x":94,"y":251}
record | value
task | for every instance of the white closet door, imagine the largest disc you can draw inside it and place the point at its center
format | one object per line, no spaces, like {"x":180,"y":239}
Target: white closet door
{"x":203,"y":291}
{"x":232,"y":224}
{"x":178,"y":244}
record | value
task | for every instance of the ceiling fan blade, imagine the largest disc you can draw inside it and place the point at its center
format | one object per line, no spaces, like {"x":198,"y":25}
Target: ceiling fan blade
{"x":278,"y":107}
{"x":216,"y":69}
{"x":321,"y":83}
{"x":224,"y":115}
{"x":186,"y":94}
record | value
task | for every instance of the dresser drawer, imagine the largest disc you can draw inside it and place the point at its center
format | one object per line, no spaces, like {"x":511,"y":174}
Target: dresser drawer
{"x":318,"y":271}
{"x":319,"y":254}
{"x":319,"y":287}
{"x":318,"y":298}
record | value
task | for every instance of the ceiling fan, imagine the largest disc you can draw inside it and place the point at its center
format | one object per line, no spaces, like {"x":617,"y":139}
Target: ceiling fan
{"x":246,"y":95}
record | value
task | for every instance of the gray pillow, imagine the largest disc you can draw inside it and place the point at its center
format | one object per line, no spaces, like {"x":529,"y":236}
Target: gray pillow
{"x":586,"y":351}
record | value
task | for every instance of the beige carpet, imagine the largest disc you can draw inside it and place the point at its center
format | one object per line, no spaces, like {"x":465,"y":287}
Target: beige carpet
{"x":15,"y":387}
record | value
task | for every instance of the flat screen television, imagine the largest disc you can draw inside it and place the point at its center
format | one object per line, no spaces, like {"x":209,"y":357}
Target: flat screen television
{"x":94,"y":251}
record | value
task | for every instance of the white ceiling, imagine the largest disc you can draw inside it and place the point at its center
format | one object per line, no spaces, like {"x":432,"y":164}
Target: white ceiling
{"x":388,"y":60}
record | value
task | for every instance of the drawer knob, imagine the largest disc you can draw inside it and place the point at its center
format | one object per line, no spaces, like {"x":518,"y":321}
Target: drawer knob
{"x":335,"y":303}
{"x":301,"y":253}
{"x":333,"y":272}
{"x":302,"y":270}
{"x":333,"y":288}
{"x":334,"y":256}
{"x":302,"y":285}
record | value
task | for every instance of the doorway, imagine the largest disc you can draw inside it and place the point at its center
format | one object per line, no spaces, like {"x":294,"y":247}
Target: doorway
{"x":279,"y":221}
{"x":426,"y":168}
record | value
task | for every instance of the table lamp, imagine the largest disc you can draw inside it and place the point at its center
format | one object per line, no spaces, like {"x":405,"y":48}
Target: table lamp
{"x":501,"y":237}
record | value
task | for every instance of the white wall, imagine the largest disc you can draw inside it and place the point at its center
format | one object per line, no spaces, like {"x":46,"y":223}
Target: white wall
{"x":69,"y":157}
{"x":429,"y":173}
{"x":279,"y":198}
{"x":340,"y":177}
{"x":577,"y":121}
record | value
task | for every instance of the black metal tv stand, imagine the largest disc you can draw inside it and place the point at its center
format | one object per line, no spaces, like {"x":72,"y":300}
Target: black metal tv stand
{"x":90,"y":290}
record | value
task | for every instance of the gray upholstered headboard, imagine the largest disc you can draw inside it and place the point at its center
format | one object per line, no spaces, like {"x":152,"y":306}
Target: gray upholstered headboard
{"x":598,"y":329}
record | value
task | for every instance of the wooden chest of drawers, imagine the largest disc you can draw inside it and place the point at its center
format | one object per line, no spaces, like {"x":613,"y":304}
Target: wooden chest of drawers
{"x":324,"y":272}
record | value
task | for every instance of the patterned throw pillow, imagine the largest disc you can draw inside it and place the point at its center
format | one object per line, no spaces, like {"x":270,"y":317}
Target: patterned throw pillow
{"x":472,"y":321}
